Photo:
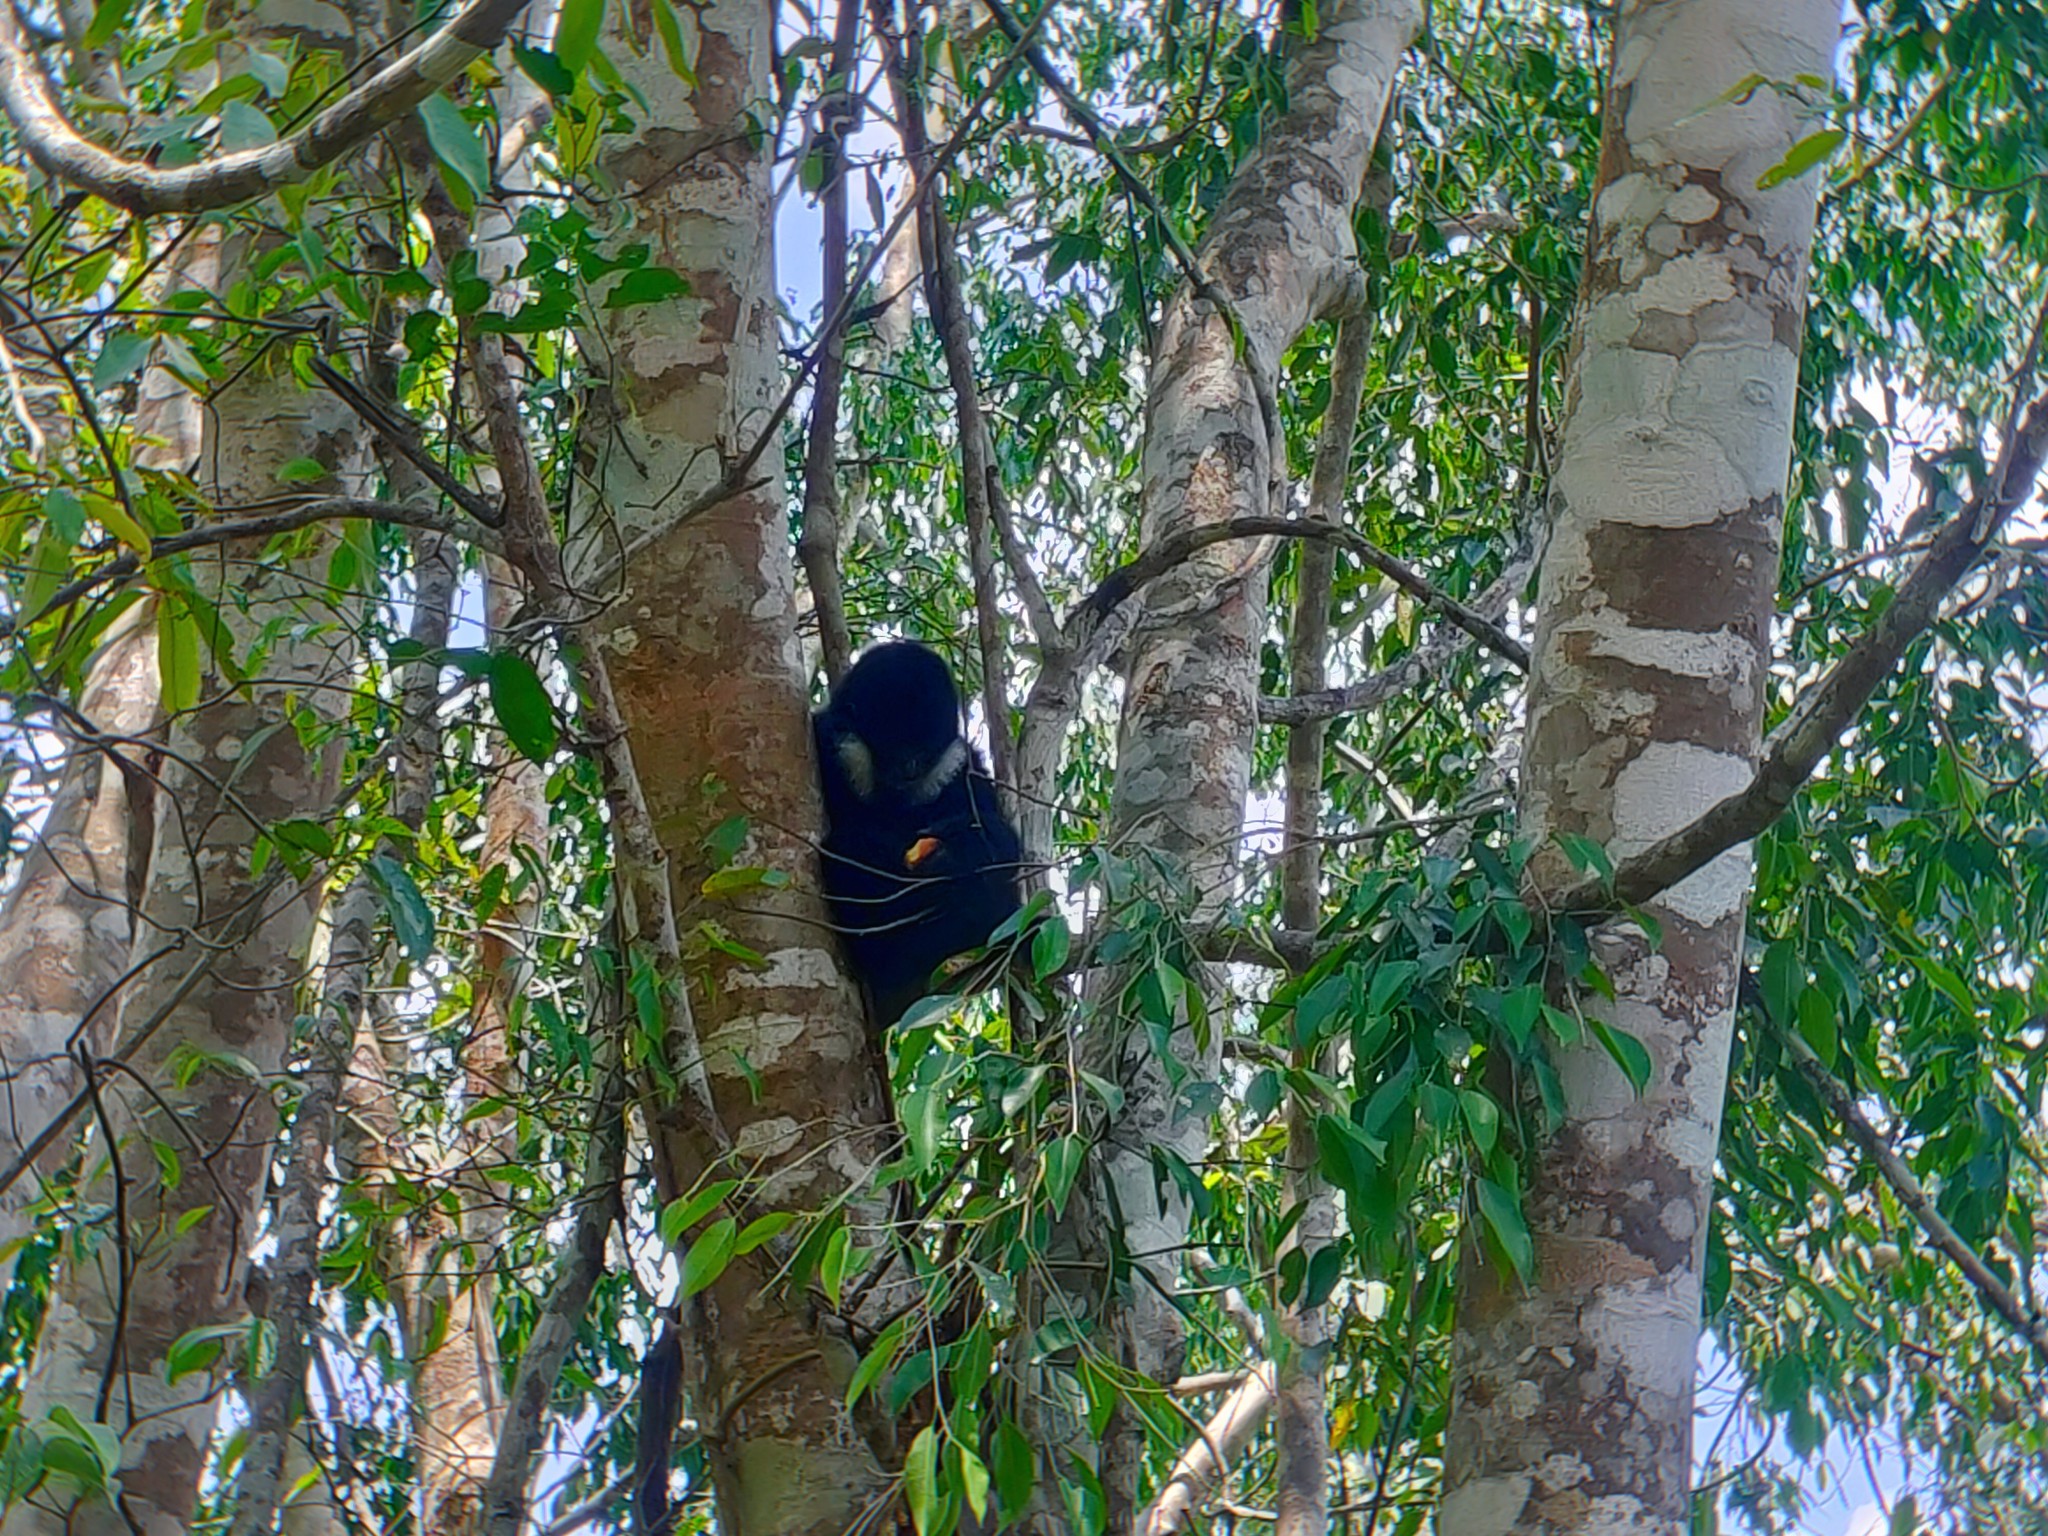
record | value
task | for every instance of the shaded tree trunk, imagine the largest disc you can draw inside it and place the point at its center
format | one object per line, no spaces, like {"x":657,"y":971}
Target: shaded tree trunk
{"x":1574,"y":1396}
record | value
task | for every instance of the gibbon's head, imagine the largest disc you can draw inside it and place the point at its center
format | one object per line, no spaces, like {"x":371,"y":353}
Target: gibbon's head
{"x":899,"y":701}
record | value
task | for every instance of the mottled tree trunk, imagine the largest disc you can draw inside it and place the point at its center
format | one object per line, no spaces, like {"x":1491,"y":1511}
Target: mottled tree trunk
{"x":1574,"y":1396}
{"x":459,"y":1403}
{"x":1281,"y":252}
{"x":67,"y":925}
{"x":226,"y":989}
{"x":703,"y":654}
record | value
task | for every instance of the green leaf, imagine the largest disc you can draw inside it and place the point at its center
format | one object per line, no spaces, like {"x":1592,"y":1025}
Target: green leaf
{"x":66,"y":514}
{"x":973,"y":1478}
{"x":412,"y":920}
{"x":1016,"y":1468}
{"x":306,"y":836}
{"x":876,"y":1360}
{"x":121,"y":357}
{"x":922,"y":1113}
{"x":1628,"y":1052}
{"x":243,"y":125}
{"x":645,"y":285}
{"x":672,"y":43}
{"x":545,"y":70}
{"x":1502,"y":1213}
{"x":1587,"y":856}
{"x":1051,"y":942}
{"x":198,"y":1349}
{"x":1319,"y":1005}
{"x":1782,"y":977}
{"x":576,"y":33}
{"x":833,"y":1261}
{"x":455,"y":143}
{"x":115,"y":518}
{"x":760,"y":1230}
{"x":684,"y":1213}
{"x":522,"y":706}
{"x":108,"y":18}
{"x":1803,"y":157}
{"x":709,"y":1255}
{"x":21,"y":1463}
{"x":1063,"y":1160}
{"x":921,"y":1480}
{"x":731,"y":882}
{"x":1325,"y":1269}
{"x":303,"y":471}
{"x":177,"y":655}
{"x":1482,"y":1119}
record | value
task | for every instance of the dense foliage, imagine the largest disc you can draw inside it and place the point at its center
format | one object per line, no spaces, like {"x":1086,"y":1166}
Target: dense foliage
{"x":1900,"y":906}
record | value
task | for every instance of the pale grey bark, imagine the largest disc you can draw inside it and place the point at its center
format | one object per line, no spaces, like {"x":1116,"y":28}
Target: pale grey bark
{"x":234,"y":766}
{"x":1574,"y":1395}
{"x":67,"y":925}
{"x":1280,"y":253}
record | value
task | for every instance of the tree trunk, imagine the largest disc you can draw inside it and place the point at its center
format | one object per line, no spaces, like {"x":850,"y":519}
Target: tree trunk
{"x":703,"y":654}
{"x":173,"y":1146}
{"x":1280,"y":251}
{"x":1573,"y":1408}
{"x":66,"y":928}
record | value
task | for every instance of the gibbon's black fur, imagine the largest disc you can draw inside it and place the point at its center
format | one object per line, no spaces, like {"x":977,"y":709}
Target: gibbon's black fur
{"x":920,"y":864}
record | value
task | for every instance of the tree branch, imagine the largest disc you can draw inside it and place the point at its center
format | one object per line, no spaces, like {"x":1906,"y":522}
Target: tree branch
{"x":125,"y":566}
{"x":66,"y":155}
{"x":1163,"y":556}
{"x":1434,"y":651}
{"x":1818,"y":720}
{"x":2030,"y":1325}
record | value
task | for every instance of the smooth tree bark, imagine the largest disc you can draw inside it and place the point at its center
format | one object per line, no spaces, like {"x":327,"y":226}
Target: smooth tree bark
{"x":1278,"y":254}
{"x":701,"y":646}
{"x":1574,"y":1393}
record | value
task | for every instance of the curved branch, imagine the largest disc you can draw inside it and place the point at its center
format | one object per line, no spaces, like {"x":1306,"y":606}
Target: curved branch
{"x":66,"y":155}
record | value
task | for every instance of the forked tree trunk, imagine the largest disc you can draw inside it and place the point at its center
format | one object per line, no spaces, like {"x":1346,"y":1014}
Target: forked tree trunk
{"x":702,"y":648}
{"x":1574,"y":1396}
{"x":1281,"y":251}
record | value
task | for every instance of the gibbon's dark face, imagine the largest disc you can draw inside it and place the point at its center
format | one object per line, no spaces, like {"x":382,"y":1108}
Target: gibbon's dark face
{"x":899,"y":704}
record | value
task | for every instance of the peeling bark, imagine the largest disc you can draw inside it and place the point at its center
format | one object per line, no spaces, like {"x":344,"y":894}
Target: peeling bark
{"x":1574,"y":1397}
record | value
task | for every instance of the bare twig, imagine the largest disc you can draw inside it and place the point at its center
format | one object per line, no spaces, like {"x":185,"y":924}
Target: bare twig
{"x":818,"y":545}
{"x":1168,"y":553}
{"x":402,"y":435}
{"x":1434,"y":651}
{"x":979,"y":482}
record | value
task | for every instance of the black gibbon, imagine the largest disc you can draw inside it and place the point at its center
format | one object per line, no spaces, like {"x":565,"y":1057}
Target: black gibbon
{"x":920,"y":864}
